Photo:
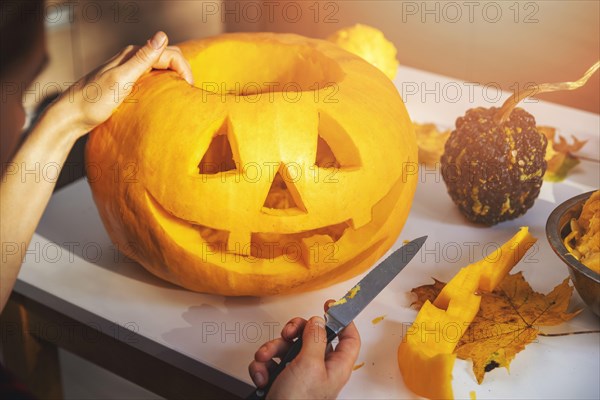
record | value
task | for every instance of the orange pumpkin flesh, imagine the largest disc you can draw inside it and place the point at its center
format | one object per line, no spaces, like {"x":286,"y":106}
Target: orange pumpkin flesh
{"x":426,"y":355}
{"x":240,"y":185}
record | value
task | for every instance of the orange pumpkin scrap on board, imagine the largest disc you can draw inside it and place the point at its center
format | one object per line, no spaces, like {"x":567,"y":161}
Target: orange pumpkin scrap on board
{"x":426,"y":355}
{"x":289,"y":166}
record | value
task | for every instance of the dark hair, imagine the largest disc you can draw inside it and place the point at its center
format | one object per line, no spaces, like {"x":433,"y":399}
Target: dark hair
{"x":21,"y":23}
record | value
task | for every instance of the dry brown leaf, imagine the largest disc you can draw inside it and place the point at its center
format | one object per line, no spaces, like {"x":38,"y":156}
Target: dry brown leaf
{"x":564,"y":147}
{"x":426,"y":292}
{"x":559,"y":154}
{"x":507,"y":321}
{"x":431,"y":143}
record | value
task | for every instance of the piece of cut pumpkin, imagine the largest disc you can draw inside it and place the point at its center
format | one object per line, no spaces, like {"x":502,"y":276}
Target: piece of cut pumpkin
{"x":498,"y":264}
{"x":426,"y":355}
{"x":465,"y":281}
{"x":437,"y":382}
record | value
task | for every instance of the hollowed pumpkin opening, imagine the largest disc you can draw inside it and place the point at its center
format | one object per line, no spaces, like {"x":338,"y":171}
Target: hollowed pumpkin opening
{"x":219,"y":156}
{"x":335,"y":147}
{"x":287,"y":68}
{"x":325,"y":156}
{"x":216,"y":239}
{"x":283,"y":196}
{"x":295,"y":246}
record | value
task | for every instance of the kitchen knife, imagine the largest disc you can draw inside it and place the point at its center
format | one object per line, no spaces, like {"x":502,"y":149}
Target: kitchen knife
{"x":342,"y":312}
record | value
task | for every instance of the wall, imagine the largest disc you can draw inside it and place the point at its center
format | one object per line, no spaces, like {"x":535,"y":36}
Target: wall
{"x":82,"y":34}
{"x":508,"y":42}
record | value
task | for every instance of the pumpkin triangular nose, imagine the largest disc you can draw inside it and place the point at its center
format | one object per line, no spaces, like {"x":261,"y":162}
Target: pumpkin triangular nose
{"x":283,"y":195}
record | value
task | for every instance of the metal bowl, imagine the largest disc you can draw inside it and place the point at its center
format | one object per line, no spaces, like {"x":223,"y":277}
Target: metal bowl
{"x":586,"y":281}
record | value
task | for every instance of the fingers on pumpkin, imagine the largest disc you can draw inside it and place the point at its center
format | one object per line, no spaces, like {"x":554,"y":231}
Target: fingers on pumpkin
{"x":172,"y":58}
{"x":144,"y":58}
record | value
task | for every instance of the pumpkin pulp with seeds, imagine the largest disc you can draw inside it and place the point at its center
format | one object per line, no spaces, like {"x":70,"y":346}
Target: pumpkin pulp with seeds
{"x":584,"y":240}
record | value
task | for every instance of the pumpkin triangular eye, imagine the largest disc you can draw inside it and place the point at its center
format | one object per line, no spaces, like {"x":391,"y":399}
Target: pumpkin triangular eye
{"x":325,"y":156}
{"x":283,"y":195}
{"x":219,"y":156}
{"x":335,"y":148}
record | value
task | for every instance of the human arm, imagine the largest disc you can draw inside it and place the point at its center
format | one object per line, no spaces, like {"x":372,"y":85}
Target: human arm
{"x":26,"y":184}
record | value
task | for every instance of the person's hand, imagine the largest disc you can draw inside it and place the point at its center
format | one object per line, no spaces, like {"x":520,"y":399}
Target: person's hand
{"x":315,"y":373}
{"x":92,"y":99}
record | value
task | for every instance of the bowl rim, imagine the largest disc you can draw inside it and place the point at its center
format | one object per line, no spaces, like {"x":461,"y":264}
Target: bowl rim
{"x":553,"y":235}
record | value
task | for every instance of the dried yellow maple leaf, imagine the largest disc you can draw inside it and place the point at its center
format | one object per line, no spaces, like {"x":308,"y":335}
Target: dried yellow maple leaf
{"x":559,"y":154}
{"x":507,"y":321}
{"x":431,"y":142}
{"x":509,"y":318}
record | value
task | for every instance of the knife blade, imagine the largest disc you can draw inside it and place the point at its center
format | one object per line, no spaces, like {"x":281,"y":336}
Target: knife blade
{"x":343,"y":311}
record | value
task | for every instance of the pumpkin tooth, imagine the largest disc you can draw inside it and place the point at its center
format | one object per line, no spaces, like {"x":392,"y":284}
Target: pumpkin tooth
{"x":239,"y":243}
{"x":317,"y":249}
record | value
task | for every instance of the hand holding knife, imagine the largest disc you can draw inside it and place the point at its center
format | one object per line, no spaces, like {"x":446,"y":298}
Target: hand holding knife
{"x":343,"y":312}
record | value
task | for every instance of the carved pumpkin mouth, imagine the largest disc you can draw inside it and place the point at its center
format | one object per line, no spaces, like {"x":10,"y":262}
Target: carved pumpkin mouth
{"x":265,"y":245}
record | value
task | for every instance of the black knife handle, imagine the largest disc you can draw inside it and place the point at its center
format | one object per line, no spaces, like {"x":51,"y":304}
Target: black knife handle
{"x":260,"y":394}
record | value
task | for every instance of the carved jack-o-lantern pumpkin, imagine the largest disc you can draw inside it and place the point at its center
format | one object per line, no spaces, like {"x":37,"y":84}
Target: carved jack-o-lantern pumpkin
{"x":288,"y":166}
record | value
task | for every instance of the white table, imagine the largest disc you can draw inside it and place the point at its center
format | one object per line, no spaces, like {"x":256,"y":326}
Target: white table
{"x":73,"y":262}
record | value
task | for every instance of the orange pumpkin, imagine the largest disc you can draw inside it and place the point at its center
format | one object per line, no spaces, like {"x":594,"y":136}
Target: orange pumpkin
{"x":370,"y":44}
{"x":289,"y":166}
